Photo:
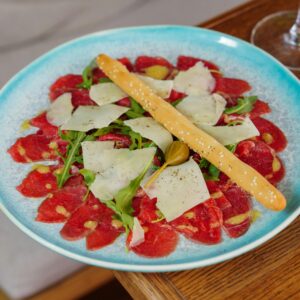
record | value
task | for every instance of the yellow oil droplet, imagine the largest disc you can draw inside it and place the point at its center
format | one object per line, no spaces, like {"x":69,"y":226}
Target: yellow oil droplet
{"x":90,"y":224}
{"x":157,"y":72}
{"x":187,"y":227}
{"x":48,"y":186}
{"x":276,"y":165}
{"x":45,"y":155}
{"x":255,"y":215}
{"x":25,"y":125}
{"x":58,"y":171}
{"x":41,"y":168}
{"x":62,"y":211}
{"x":116,"y":223}
{"x":216,"y":195}
{"x":267,"y":137}
{"x":237,"y":219}
{"x":145,"y":228}
{"x":190,"y":215}
{"x":53,"y":145}
{"x":21,"y":150}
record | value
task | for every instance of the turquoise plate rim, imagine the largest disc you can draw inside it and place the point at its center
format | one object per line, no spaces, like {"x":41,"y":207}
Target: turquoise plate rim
{"x":146,"y":267}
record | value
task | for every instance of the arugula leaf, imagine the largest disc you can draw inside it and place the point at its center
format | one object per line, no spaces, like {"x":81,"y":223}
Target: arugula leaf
{"x":103,"y":131}
{"x":133,"y":115}
{"x":204,"y":163}
{"x":148,"y":144}
{"x":136,"y":106}
{"x":244,"y":105}
{"x":89,"y":176}
{"x":136,"y":140}
{"x":104,"y":80}
{"x":74,"y":138}
{"x":136,"y":110}
{"x":176,"y":102}
{"x":116,"y":125}
{"x":214,"y":172}
{"x":87,"y":75}
{"x":122,"y":204}
{"x":234,"y":123}
{"x":231,"y":147}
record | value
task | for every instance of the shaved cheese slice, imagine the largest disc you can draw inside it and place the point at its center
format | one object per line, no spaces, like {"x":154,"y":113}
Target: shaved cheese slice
{"x":150,"y":129}
{"x":86,"y":118}
{"x":115,"y":168}
{"x":203,"y":109}
{"x":195,"y":81}
{"x":105,"y":93}
{"x":162,"y":88}
{"x":60,"y":110}
{"x":91,"y":151}
{"x":138,"y":234}
{"x":232,"y":134}
{"x":178,"y":189}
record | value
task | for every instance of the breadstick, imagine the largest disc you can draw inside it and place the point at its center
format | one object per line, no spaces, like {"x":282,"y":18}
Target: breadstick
{"x":181,"y":127}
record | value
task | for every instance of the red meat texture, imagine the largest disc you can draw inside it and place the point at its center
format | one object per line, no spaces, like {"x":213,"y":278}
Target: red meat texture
{"x":262,"y":158}
{"x":70,"y":84}
{"x":39,"y":182}
{"x":186,"y":62}
{"x":33,"y":147}
{"x":270,"y":134}
{"x":231,"y":86}
{"x":93,"y":220}
{"x":160,"y":240}
{"x":121,"y":140}
{"x":240,"y":206}
{"x":59,"y":205}
{"x":143,"y":62}
{"x":41,"y":122}
{"x":201,"y":223}
{"x":260,"y":108}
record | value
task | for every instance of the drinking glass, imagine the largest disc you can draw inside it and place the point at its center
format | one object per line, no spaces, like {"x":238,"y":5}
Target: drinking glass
{"x":279,"y":34}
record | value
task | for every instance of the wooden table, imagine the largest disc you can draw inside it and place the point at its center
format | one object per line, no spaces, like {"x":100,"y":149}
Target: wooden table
{"x":271,"y":271}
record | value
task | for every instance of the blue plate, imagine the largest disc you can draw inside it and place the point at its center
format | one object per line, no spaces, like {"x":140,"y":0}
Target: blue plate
{"x":26,"y":94}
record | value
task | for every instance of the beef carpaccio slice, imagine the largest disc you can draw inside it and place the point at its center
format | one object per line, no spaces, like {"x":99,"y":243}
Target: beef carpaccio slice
{"x":201,"y":224}
{"x":270,"y":134}
{"x":145,"y":208}
{"x":262,"y":158}
{"x":33,"y":147}
{"x":121,"y":140}
{"x":186,"y":62}
{"x":59,"y":205}
{"x":64,"y":84}
{"x":41,"y":122}
{"x":160,"y":240}
{"x":71,"y":84}
{"x":259,"y":108}
{"x":39,"y":182}
{"x":91,"y":216}
{"x":232,"y":87}
{"x":236,"y":217}
{"x":143,"y":62}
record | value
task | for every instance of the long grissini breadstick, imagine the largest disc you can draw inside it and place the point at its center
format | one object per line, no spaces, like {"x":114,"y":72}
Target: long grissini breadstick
{"x":177,"y":124}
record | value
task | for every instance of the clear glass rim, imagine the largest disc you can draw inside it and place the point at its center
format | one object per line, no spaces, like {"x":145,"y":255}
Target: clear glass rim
{"x":266,"y":18}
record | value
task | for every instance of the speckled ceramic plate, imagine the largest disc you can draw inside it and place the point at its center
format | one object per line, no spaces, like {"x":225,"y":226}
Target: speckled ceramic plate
{"x":26,"y":94}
